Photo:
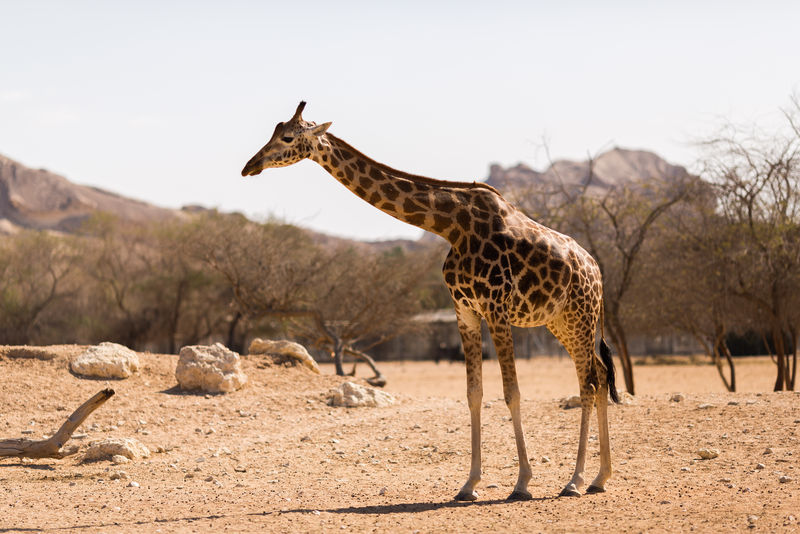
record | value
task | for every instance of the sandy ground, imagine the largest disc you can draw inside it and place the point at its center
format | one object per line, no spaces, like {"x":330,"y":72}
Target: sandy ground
{"x":274,"y":457}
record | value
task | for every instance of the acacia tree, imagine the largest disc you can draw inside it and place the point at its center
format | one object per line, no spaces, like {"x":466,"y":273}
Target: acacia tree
{"x":343,"y":300}
{"x":34,"y":276}
{"x":612,"y":222}
{"x":684,"y":281}
{"x":148,"y":289}
{"x":757,"y":180}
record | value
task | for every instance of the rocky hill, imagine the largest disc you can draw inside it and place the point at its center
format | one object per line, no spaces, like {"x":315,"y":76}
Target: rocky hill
{"x":615,"y":167}
{"x":40,"y":199}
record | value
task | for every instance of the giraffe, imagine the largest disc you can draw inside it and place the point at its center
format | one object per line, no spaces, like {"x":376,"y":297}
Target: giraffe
{"x":502,"y":267}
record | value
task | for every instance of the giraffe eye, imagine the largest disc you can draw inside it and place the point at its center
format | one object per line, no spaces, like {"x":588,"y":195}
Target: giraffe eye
{"x":287,"y":139}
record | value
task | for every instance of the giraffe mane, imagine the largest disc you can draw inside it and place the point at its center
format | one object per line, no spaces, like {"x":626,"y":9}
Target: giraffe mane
{"x":414,"y":177}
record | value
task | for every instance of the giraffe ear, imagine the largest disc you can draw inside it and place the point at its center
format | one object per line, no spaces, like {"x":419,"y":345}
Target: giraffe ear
{"x":321,"y":129}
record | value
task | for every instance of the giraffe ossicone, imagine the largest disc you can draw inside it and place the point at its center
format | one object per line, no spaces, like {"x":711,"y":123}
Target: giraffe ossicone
{"x":502,"y":267}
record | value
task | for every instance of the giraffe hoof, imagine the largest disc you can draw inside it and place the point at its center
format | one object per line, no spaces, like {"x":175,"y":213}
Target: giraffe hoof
{"x":467,"y":496}
{"x":518,"y":495}
{"x":595,"y":489}
{"x":570,"y":491}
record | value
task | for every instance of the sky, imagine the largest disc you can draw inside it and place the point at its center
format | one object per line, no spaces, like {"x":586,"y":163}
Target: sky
{"x":165,"y":101}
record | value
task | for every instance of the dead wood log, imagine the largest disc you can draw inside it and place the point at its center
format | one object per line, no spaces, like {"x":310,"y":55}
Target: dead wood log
{"x":378,"y":380}
{"x":52,"y":447}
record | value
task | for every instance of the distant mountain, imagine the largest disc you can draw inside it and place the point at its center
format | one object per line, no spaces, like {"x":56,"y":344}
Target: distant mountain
{"x":615,"y":167}
{"x":40,"y":199}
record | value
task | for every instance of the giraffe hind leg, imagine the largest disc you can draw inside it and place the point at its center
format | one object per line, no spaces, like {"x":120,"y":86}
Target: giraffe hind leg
{"x":598,"y":484}
{"x":575,"y":484}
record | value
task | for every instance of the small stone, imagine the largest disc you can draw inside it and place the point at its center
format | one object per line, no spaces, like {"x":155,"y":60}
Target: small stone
{"x":492,"y":486}
{"x":708,"y":454}
{"x":133,"y":484}
{"x":240,"y":469}
{"x":725,"y":480}
{"x":305,"y":438}
{"x":706,"y":406}
{"x":768,"y":450}
{"x":118,"y":459}
{"x":752,"y":519}
{"x":665,"y":502}
{"x":315,"y":512}
{"x":383,"y":491}
{"x":117,"y":475}
{"x":760,"y":466}
{"x":545,"y":460}
{"x":686,"y":469}
{"x":678,"y":397}
{"x":570,"y":402}
{"x":784,"y":479}
{"x":733,"y":403}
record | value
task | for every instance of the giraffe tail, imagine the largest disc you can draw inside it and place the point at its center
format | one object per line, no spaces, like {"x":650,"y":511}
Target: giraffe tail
{"x":608,"y":363}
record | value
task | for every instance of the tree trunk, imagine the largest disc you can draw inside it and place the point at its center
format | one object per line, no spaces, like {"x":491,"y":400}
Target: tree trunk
{"x":793,"y":374}
{"x":232,"y":343}
{"x":780,"y":356}
{"x":722,"y":348}
{"x":617,"y":334}
{"x":338,"y":353}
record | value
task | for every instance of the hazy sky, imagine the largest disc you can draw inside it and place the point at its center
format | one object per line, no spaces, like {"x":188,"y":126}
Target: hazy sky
{"x":166,"y":101}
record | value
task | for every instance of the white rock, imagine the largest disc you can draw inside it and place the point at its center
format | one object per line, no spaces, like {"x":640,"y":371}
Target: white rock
{"x":570,"y":402}
{"x":213,"y":369}
{"x":706,"y":406}
{"x":784,"y":479}
{"x":284,"y":348}
{"x":107,"y":448}
{"x":133,"y":484}
{"x":708,"y":454}
{"x":120,"y":459}
{"x":352,"y":395}
{"x":106,"y":360}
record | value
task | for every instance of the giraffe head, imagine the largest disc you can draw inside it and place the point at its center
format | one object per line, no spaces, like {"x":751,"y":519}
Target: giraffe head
{"x":292,"y":141}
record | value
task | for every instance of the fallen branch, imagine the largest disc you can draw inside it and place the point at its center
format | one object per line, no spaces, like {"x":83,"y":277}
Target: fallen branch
{"x":52,"y":447}
{"x":378,"y":380}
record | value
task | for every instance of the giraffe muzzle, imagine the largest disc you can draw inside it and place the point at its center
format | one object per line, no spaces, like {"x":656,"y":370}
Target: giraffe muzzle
{"x":252,"y":168}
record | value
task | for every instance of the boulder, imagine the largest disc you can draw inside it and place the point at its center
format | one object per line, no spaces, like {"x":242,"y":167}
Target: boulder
{"x":295,"y":351}
{"x":106,"y":449}
{"x":106,"y":360}
{"x":213,"y":369}
{"x":352,"y":395}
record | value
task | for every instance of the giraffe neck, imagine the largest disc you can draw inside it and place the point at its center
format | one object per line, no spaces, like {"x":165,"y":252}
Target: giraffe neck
{"x":433,"y":205}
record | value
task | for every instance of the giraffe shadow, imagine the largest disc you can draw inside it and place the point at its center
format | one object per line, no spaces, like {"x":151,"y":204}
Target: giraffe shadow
{"x":413,"y":507}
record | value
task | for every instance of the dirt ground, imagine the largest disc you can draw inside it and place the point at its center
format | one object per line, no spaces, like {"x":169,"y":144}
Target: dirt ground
{"x":274,"y":457}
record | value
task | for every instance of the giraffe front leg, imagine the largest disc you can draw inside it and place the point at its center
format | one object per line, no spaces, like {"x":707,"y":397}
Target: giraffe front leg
{"x":504,"y":343}
{"x":469,"y":325}
{"x":573,"y":488}
{"x":474,"y":397}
